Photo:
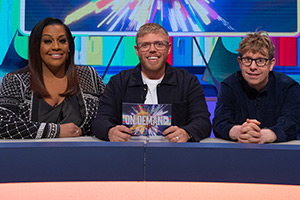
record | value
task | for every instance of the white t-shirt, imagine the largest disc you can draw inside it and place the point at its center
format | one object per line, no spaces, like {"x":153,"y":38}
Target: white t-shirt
{"x":151,"y":97}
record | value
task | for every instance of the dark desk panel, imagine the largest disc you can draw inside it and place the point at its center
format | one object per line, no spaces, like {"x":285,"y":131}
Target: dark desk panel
{"x":71,"y":161}
{"x":158,"y":161}
{"x":223,"y":162}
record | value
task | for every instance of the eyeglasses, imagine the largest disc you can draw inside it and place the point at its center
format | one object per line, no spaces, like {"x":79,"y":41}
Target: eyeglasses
{"x":159,"y":45}
{"x":260,"y":62}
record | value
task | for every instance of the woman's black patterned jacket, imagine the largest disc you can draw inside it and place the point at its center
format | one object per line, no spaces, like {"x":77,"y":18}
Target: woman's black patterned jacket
{"x":17,"y":105}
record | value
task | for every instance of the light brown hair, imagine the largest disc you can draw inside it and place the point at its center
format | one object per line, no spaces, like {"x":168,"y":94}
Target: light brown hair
{"x":257,"y":42}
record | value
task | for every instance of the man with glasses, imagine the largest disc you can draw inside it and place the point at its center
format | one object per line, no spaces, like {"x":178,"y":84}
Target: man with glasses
{"x":256,"y":104}
{"x":154,"y":81}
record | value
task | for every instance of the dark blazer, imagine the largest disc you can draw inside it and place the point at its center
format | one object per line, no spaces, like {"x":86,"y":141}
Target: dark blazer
{"x":277,"y":106}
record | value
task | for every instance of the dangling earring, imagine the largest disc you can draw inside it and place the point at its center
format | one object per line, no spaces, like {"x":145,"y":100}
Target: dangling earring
{"x":68,"y":54}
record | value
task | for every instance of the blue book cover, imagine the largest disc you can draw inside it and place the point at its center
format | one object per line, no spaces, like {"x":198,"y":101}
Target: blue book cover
{"x":147,"y":119}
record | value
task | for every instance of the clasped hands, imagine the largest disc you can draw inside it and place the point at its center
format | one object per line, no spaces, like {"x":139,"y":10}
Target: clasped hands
{"x":121,"y":133}
{"x":250,"y":132}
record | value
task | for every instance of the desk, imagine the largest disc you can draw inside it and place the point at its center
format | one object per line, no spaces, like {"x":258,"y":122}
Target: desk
{"x":71,"y":161}
{"x":223,"y":162}
{"x":89,"y":159}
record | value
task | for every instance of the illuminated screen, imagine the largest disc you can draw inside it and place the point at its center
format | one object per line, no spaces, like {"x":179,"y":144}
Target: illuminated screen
{"x":179,"y":18}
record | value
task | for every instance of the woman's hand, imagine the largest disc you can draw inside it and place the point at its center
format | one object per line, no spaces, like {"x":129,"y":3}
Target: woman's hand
{"x":69,"y":130}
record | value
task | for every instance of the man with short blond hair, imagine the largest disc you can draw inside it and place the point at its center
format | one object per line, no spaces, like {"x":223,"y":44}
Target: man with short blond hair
{"x":154,"y":81}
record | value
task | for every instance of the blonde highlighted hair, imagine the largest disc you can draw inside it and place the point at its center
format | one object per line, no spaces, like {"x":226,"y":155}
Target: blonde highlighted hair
{"x":150,"y":28}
